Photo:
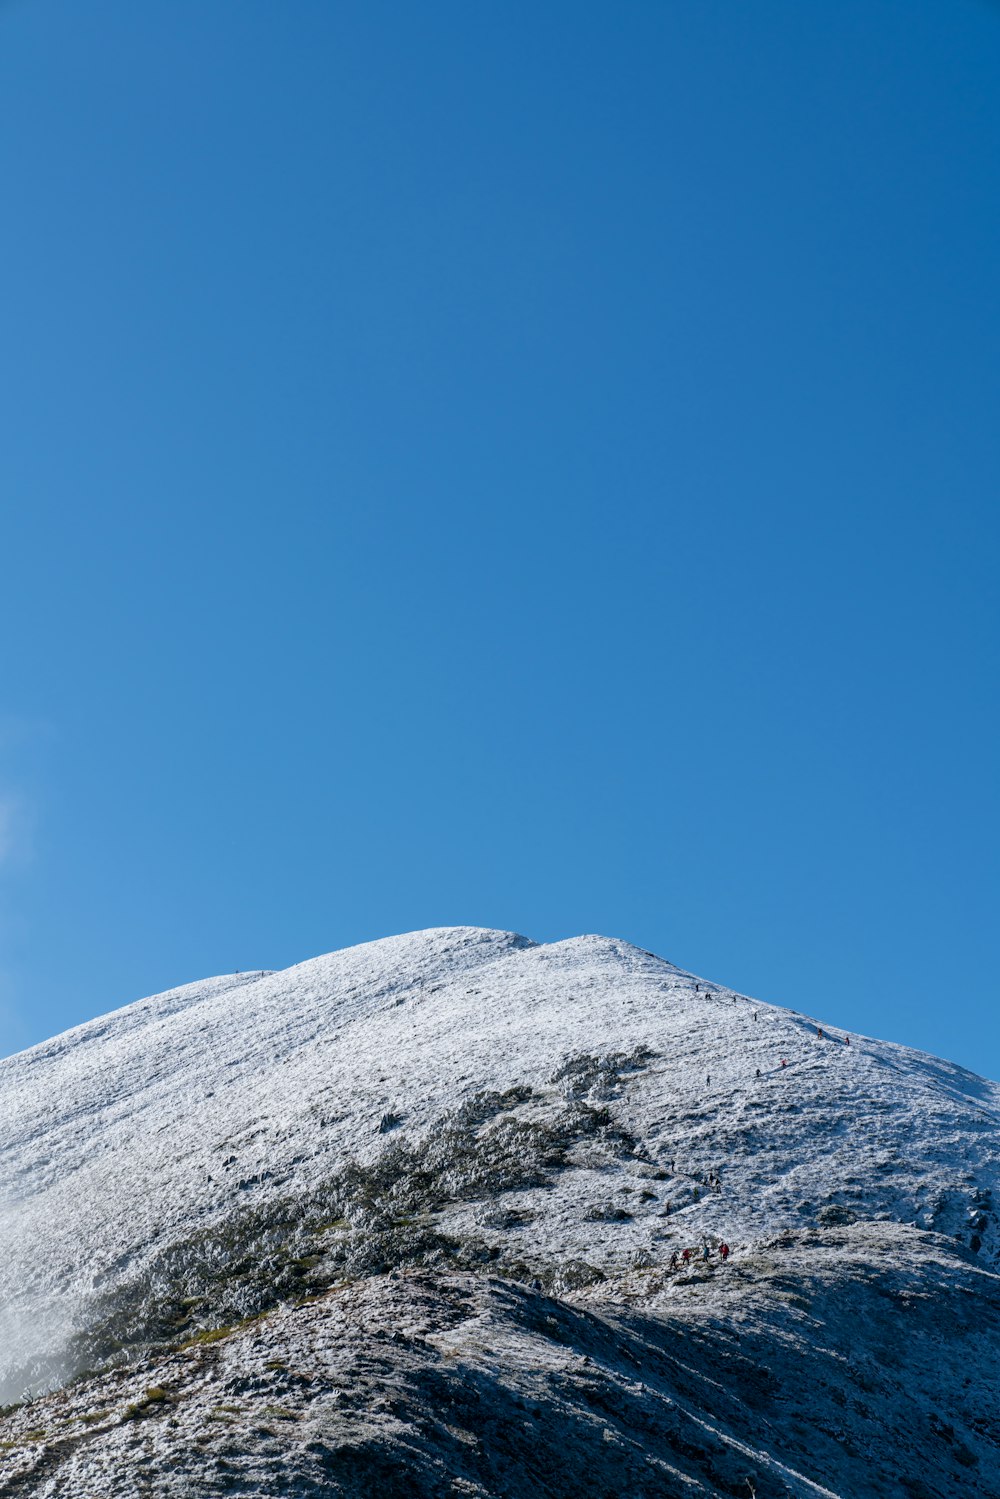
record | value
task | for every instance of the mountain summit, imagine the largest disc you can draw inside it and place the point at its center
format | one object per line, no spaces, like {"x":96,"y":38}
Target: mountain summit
{"x":411,"y":1218}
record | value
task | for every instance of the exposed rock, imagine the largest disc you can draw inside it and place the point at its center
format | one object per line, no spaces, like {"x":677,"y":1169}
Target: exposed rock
{"x":275,"y":1295}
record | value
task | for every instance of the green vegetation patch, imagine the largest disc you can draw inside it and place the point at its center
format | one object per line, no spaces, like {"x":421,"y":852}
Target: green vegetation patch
{"x":368,"y":1218}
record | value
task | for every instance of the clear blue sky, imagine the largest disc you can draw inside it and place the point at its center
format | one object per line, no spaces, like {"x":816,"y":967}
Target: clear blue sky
{"x":524,"y":465}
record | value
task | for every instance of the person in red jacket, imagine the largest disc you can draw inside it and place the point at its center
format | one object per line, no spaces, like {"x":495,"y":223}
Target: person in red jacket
{"x":724,"y":1251}
{"x":686,"y":1256}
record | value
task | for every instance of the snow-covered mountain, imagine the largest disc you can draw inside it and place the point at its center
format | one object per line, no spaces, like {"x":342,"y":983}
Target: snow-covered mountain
{"x":400,"y":1220}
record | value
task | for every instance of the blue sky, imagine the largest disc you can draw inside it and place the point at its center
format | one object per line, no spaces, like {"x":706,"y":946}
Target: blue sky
{"x":531,"y":466}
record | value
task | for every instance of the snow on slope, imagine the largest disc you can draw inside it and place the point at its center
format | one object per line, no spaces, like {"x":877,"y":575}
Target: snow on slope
{"x":130,"y":1133}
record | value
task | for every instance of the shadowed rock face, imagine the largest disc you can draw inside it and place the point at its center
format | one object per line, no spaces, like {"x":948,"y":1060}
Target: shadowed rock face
{"x":401,"y":1220}
{"x":429,"y":1383}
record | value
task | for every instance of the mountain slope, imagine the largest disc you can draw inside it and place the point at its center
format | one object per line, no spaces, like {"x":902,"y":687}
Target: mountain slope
{"x":528,"y":1131}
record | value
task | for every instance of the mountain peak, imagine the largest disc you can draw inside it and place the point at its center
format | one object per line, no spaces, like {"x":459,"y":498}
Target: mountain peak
{"x":567,"y":1116}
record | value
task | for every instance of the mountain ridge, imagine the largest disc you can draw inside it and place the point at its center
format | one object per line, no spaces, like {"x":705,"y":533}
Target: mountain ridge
{"x":464,"y":1102}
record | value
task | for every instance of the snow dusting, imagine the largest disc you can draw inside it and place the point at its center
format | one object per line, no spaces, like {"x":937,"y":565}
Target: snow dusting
{"x":501,"y":1146}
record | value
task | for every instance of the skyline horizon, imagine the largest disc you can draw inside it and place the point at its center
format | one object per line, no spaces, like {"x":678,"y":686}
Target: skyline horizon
{"x":813,"y":1017}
